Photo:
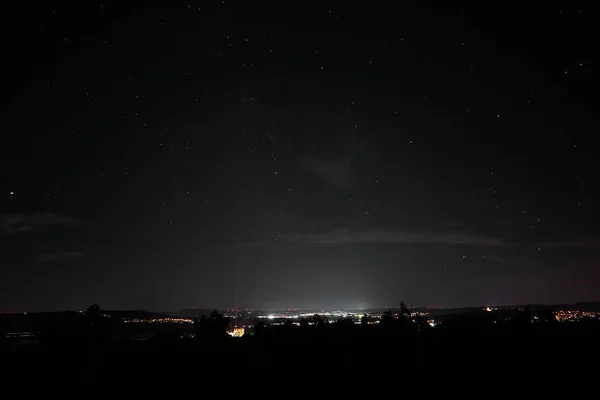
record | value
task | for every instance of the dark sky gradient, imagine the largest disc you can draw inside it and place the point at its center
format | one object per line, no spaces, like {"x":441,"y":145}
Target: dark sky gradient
{"x":300,"y":154}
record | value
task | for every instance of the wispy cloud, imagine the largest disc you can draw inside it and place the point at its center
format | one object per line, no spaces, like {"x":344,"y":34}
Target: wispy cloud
{"x":59,"y":256}
{"x":346,"y":236}
{"x":253,"y":244}
{"x":336,"y":172}
{"x":576,"y":244}
{"x":14,"y":223}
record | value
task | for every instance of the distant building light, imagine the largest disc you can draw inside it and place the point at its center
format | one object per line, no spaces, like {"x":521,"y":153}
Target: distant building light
{"x":237,"y":332}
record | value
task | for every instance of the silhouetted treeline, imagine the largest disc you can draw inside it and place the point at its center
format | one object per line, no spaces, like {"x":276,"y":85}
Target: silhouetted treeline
{"x":92,"y":346}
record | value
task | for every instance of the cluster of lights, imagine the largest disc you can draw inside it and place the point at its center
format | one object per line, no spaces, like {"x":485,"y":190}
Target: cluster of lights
{"x":573,"y":316}
{"x":333,"y":314}
{"x":419,"y":314}
{"x":236,"y":332}
{"x":159,"y":321}
{"x":273,"y":316}
{"x":11,"y":335}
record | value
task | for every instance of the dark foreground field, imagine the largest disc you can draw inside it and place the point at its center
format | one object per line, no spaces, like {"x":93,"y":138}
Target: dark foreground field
{"x":316,"y":352}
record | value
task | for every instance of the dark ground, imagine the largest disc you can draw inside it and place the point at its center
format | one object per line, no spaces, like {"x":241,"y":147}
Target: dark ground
{"x":316,"y":351}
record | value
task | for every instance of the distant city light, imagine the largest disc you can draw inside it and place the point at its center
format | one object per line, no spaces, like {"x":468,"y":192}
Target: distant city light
{"x":173,"y":320}
{"x":573,"y":316}
{"x":236,"y":332}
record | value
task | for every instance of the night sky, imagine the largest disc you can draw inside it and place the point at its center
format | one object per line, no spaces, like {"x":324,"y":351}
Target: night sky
{"x":297,"y":154}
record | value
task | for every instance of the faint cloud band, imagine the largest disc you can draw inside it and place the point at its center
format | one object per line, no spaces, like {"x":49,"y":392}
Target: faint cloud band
{"x":15,"y":223}
{"x":59,"y":256}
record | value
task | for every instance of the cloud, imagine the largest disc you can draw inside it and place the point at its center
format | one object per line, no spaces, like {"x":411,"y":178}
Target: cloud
{"x":343,"y":235}
{"x":14,"y":223}
{"x":348,"y":236}
{"x":59,"y":256}
{"x":336,"y":172}
{"x":576,"y":244}
{"x":253,"y":244}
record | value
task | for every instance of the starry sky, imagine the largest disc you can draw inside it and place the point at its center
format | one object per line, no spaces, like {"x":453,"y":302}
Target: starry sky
{"x":297,"y":154}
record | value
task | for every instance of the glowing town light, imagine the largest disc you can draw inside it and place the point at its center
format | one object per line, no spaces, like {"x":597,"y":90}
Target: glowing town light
{"x":236,"y":332}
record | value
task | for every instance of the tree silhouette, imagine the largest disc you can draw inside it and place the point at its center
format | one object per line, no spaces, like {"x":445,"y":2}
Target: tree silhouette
{"x":259,"y":328}
{"x":387,"y":318}
{"x":364,"y":319}
{"x":95,"y":324}
{"x":345,"y":323}
{"x":214,"y":326}
{"x":288,"y":324}
{"x":92,"y":314}
{"x":547,"y":315}
{"x":319,"y":320}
